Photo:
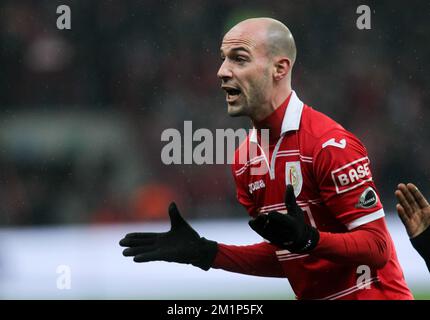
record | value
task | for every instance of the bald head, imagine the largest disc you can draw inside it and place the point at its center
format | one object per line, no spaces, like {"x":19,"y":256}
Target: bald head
{"x":258,"y":55}
{"x":272,"y":34}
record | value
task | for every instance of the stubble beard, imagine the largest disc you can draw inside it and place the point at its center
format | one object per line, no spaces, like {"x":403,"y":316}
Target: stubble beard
{"x":252,"y":102}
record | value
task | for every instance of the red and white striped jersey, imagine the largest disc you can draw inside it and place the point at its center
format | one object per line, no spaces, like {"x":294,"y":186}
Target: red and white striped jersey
{"x":330,"y":171}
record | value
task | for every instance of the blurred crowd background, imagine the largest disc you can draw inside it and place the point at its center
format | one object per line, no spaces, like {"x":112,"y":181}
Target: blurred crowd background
{"x":82,"y":110}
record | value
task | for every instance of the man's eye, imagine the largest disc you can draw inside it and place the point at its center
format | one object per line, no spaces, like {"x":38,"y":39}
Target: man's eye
{"x":240,"y":59}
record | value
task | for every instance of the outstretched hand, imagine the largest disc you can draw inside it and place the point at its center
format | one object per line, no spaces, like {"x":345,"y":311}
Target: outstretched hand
{"x":181,"y":244}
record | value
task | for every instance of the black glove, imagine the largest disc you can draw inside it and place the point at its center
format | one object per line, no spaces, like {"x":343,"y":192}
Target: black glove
{"x":289,"y":231}
{"x":181,"y":244}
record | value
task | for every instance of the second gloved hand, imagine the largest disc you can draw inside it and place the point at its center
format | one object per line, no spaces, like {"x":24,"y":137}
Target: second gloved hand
{"x":289,"y":231}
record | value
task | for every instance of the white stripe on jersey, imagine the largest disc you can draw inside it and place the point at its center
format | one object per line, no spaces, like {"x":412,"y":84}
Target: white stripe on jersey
{"x":247,"y":164}
{"x":284,"y":255}
{"x":366,"y":219}
{"x":345,"y":292}
{"x":292,"y":257}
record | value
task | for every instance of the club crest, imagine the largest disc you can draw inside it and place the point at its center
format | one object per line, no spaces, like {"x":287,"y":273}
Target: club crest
{"x":293,"y":176}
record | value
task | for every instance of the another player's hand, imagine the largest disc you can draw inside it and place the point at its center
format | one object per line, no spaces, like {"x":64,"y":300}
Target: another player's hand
{"x":181,"y":244}
{"x":289,"y":231}
{"x":413,"y":209}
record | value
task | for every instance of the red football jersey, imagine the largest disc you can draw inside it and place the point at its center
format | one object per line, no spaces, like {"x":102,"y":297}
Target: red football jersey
{"x":330,"y":172}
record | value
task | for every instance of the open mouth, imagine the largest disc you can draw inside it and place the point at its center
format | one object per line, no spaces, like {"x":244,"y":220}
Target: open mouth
{"x":232,"y":93}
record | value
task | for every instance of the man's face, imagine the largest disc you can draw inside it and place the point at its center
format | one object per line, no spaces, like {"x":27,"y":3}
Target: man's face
{"x":245,"y":73}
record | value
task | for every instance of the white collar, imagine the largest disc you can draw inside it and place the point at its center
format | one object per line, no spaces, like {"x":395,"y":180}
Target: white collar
{"x":291,"y":119}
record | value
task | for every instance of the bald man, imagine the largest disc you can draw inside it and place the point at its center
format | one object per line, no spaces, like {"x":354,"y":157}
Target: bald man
{"x":414,"y":211}
{"x":315,"y":202}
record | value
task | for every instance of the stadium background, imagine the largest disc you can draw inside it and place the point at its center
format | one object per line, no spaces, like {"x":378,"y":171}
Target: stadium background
{"x":82,"y":112}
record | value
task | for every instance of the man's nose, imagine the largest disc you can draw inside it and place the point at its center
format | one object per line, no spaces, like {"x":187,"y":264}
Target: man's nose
{"x":224,"y":72}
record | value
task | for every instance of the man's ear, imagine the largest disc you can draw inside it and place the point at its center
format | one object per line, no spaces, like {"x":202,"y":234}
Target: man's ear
{"x":282,"y":68}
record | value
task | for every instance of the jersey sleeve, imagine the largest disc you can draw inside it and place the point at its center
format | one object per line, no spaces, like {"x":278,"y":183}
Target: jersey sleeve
{"x":367,"y":244}
{"x":258,"y":259}
{"x":343,"y":175}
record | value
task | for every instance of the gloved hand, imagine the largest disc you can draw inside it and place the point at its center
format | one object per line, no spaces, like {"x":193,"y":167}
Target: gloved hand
{"x":289,"y":231}
{"x":181,"y":244}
